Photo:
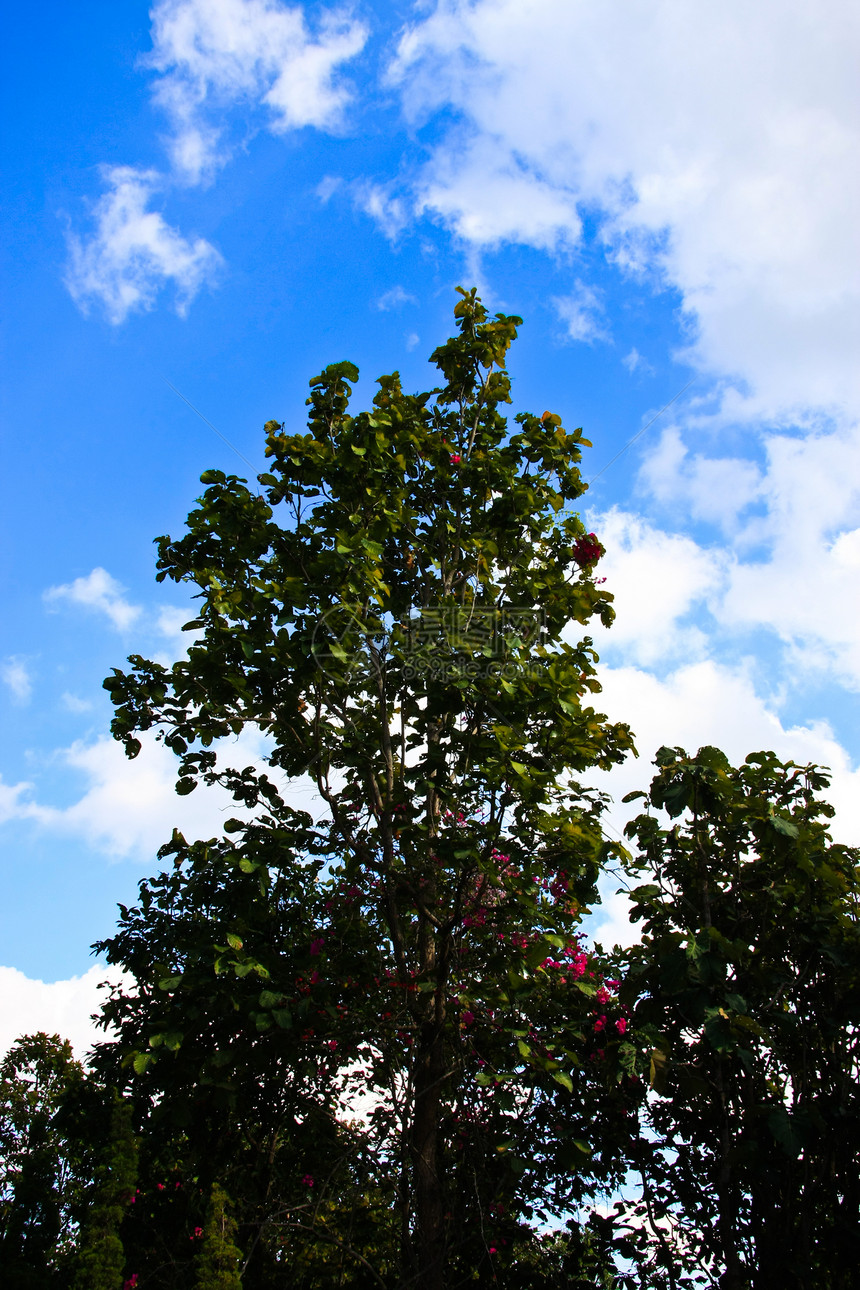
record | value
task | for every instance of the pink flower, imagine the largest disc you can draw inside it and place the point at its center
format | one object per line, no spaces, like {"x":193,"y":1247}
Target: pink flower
{"x":160,"y":1186}
{"x":317,"y":944}
{"x":130,"y":1283}
{"x":621,"y":1025}
{"x":332,"y":1044}
{"x":307,"y":1181}
{"x":602,"y":995}
{"x":455,"y":459}
{"x":600,"y":1023}
{"x":468,"y":1018}
{"x":198,"y":1232}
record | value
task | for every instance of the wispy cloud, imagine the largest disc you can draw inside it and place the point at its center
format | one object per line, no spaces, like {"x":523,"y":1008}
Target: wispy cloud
{"x":134,"y":253}
{"x":395,"y":299}
{"x":390,"y":212}
{"x":15,"y":673}
{"x":74,"y":703}
{"x":251,"y":54}
{"x":634,"y":362}
{"x":254,"y":58}
{"x":98,"y":591}
{"x":583,"y":314}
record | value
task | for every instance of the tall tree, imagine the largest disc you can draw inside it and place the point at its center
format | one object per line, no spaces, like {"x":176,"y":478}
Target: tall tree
{"x":100,"y":1259}
{"x":218,"y":1259}
{"x":43,"y":1170}
{"x":390,"y":609}
{"x":747,"y":979}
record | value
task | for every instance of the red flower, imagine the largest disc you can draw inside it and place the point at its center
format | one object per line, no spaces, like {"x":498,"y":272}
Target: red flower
{"x":621,"y":1025}
{"x":307,"y":1181}
{"x":587,"y":550}
{"x":455,"y":459}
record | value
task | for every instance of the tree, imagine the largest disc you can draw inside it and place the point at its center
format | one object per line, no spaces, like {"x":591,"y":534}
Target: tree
{"x":390,"y":610}
{"x":747,"y":980}
{"x":101,"y":1259}
{"x":218,"y":1259}
{"x":42,"y":1170}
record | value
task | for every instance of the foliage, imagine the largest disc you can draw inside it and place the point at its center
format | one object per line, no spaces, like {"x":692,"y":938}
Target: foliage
{"x":376,"y":1027}
{"x":42,"y":1175}
{"x":218,"y":1259}
{"x":390,"y":611}
{"x":101,"y":1259}
{"x":748,"y":981}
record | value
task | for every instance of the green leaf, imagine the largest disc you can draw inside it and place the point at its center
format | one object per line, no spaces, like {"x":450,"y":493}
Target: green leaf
{"x":784,"y":1128}
{"x":787,"y":828}
{"x":658,"y":1071}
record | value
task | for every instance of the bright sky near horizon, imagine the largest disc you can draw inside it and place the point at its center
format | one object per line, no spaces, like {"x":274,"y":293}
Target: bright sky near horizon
{"x":218,"y":197}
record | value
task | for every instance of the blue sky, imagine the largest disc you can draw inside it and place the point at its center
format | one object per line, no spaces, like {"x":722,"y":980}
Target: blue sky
{"x":226,"y":195}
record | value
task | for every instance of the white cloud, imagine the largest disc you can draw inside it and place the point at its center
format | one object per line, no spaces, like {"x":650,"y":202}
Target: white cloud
{"x":698,"y":704}
{"x":63,"y":1008}
{"x":634,"y":362}
{"x":714,"y":489}
{"x":718,"y":142}
{"x":134,"y":253}
{"x":327,"y":187}
{"x":582,"y":313}
{"x":791,"y":565}
{"x":130,"y":808}
{"x":657,"y":579}
{"x":13,"y":805}
{"x":171,"y":620}
{"x":213,"y":54}
{"x":73,"y":703}
{"x":488,"y":195}
{"x":99,"y":591}
{"x":15,"y":674}
{"x":376,"y":200}
{"x":395,"y":299}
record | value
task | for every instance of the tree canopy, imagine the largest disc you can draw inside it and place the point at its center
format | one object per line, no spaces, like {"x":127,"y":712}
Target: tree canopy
{"x":391,"y":611}
{"x":368,"y":1044}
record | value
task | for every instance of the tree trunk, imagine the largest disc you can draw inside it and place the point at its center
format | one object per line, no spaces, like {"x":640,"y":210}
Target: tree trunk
{"x":428,"y":1189}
